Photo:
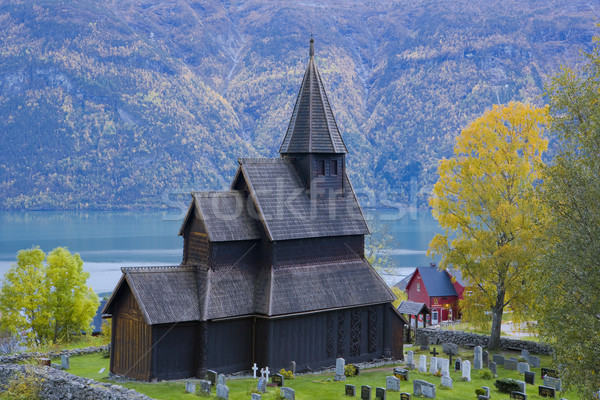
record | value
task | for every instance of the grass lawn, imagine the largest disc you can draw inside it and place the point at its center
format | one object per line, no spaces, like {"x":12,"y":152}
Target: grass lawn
{"x":318,"y":387}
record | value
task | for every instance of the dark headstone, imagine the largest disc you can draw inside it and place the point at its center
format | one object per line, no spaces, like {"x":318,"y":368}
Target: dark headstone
{"x":293,"y":367}
{"x":365,"y":392}
{"x":556,"y":383}
{"x":205,"y":386}
{"x":549,"y":372}
{"x":514,"y":359}
{"x":518,"y":396}
{"x":546,"y":391}
{"x":486,"y":357}
{"x":401,"y":374}
{"x":404,"y":396}
{"x":425,"y":347}
{"x":278,"y":380}
{"x":498,"y":359}
{"x":510,"y":364}
{"x":530,"y":378}
{"x":493,"y":368}
{"x":457,"y":364}
{"x":211,"y":376}
{"x":351,"y":390}
{"x":380,"y":393}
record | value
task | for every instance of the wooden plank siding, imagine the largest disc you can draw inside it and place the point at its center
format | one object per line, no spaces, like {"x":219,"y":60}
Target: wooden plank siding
{"x":131,"y":339}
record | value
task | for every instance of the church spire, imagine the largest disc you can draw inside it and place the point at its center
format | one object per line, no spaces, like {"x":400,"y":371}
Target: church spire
{"x":312,"y":128}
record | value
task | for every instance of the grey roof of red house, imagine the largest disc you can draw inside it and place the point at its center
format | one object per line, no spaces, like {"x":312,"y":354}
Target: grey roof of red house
{"x":287,"y":211}
{"x":312,"y":128}
{"x":437,"y":282}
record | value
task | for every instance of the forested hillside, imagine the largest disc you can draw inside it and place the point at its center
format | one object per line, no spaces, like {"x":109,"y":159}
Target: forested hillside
{"x":121,"y":103}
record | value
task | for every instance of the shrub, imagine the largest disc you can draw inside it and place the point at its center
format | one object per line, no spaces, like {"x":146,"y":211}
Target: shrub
{"x":486,"y":374}
{"x":350,"y":370}
{"x":507,"y":385}
{"x":23,"y":387}
{"x":286,"y":374}
{"x":480,"y":392}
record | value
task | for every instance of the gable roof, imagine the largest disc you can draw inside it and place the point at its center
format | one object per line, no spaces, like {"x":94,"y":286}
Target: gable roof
{"x":286,"y":210}
{"x":412,"y":308}
{"x":224,"y":214}
{"x":97,"y":321}
{"x":436,"y":281}
{"x":312,"y":128}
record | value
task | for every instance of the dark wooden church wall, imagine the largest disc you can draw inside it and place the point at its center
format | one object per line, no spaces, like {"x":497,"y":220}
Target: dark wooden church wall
{"x":316,"y":340}
{"x":229,"y":345}
{"x":394,"y":333}
{"x":195,"y":241}
{"x":325,"y":249}
{"x":173,"y":352}
{"x":226,"y":254}
{"x":131,"y":339}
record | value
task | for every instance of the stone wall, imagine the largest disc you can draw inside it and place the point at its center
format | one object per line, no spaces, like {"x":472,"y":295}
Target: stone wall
{"x":56,"y":384}
{"x":437,"y":336}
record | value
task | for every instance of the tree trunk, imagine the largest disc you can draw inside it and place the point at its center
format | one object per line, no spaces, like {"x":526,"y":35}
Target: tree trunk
{"x":497,"y":312}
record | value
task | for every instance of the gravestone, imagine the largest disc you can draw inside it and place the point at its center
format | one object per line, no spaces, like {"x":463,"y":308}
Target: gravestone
{"x":340,"y":373}
{"x":423,"y":388}
{"x":212,"y":376}
{"x":190,"y":387}
{"x":522,"y":367}
{"x":350,"y":390}
{"x":492,"y":367}
{"x":510,"y":364}
{"x":45,"y":362}
{"x":392,"y":384}
{"x":261,"y":386}
{"x":255,"y":396}
{"x":487,"y":391}
{"x":222,"y":392}
{"x":485,"y":357}
{"x":221,"y":380}
{"x":534,"y":361}
{"x":424,"y":347}
{"x":405,"y":396}
{"x":278,"y":380}
{"x":410,"y":361}
{"x":288,"y":393}
{"x":457,"y":364}
{"x":65,"y":362}
{"x":447,"y":381}
{"x":380,"y":393}
{"x":498,"y":359}
{"x":101,"y":370}
{"x":439,"y":363}
{"x":530,"y":378}
{"x":450,"y":349}
{"x":423,"y":363}
{"x":478,"y":358}
{"x":556,"y":383}
{"x":524,"y":354}
{"x":546,"y":391}
{"x":254,"y":369}
{"x":549,"y":372}
{"x":466,"y":371}
{"x":205,"y":386}
{"x":293,"y":367}
{"x":401,"y":374}
{"x":522,"y":386}
{"x":518,"y":396}
{"x":445,"y":367}
{"x":433,"y":365}
{"x":365,"y":392}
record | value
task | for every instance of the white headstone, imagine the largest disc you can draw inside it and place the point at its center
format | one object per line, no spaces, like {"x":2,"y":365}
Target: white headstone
{"x":222,"y":392}
{"x":433,"y":365}
{"x":392,"y":383}
{"x":261,"y":386}
{"x":255,"y":396}
{"x":340,"y":373}
{"x":522,"y":367}
{"x":190,"y":387}
{"x":101,"y":370}
{"x":447,"y":381}
{"x":410,"y":361}
{"x":427,"y":391}
{"x":65,"y":362}
{"x":466,"y":370}
{"x":288,"y":393}
{"x":423,"y":363}
{"x":254,"y":369}
{"x":267,"y":372}
{"x":221,"y":380}
{"x":445,"y":367}
{"x":478,"y":358}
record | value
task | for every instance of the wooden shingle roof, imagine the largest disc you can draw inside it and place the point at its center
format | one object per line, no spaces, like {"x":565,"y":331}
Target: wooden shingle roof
{"x":225,"y":216}
{"x":312,"y":128}
{"x":287,"y":211}
{"x":412,"y":308}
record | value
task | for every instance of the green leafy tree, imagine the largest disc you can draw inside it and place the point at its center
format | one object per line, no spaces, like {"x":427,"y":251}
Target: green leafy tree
{"x":47,"y":301}
{"x":485,"y":202}
{"x":569,"y":267}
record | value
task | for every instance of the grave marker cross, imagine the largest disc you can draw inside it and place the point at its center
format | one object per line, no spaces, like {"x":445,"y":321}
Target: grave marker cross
{"x":254,"y":369}
{"x":267,"y":373}
{"x":434,"y":352}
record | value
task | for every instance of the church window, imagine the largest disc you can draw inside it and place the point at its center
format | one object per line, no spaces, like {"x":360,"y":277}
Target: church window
{"x":334,"y":167}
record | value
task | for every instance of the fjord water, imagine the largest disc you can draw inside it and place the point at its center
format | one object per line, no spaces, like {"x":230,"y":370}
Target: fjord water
{"x":109,"y":240}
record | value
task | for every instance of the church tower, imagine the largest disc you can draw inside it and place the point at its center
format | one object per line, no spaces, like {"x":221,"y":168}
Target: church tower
{"x":313,"y":139}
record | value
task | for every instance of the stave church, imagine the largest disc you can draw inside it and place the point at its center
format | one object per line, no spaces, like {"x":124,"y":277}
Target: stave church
{"x":273,"y":269}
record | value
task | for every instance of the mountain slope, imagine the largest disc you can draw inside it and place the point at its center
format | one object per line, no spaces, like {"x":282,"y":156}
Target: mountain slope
{"x":119,"y":104}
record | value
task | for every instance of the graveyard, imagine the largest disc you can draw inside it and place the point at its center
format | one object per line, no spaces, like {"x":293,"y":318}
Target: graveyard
{"x":329,"y":385}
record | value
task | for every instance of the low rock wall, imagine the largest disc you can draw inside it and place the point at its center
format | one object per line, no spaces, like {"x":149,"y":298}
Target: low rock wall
{"x":55,"y":384}
{"x":427,"y":336}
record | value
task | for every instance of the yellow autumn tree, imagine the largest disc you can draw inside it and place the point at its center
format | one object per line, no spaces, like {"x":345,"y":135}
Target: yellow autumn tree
{"x":485,"y":202}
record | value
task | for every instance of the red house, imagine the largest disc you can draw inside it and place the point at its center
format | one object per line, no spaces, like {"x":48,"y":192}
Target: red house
{"x":439,"y":289}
